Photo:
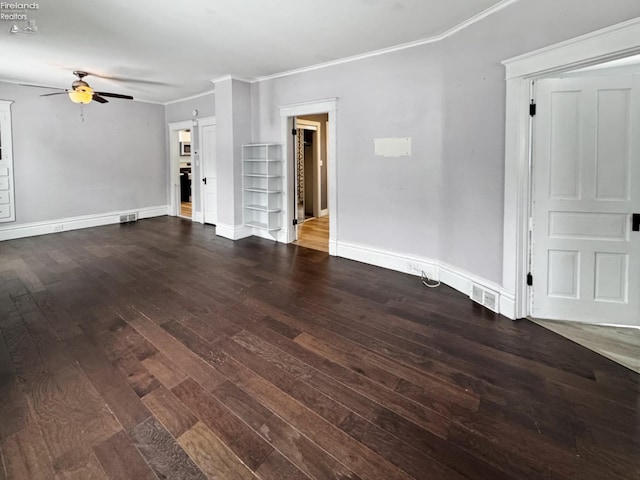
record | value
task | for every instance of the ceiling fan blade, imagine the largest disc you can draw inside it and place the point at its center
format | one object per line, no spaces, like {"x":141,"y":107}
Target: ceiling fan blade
{"x":115,"y":95}
{"x":99,"y":99}
{"x":40,"y":86}
{"x":54,"y":93}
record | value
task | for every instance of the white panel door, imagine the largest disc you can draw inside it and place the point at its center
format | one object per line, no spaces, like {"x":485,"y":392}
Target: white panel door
{"x":209,"y":173}
{"x":586,"y":161}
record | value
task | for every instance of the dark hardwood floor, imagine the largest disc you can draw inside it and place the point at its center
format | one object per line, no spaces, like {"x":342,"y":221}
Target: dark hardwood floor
{"x":158,"y":350}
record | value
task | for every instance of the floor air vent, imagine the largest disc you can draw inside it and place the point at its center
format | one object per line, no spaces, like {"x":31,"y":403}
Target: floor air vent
{"x":129,"y":217}
{"x":485,"y":297}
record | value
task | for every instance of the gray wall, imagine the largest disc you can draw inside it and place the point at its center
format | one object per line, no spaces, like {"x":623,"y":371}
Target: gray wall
{"x":389,"y":203}
{"x":474,"y":96}
{"x":446,"y":200}
{"x":233,"y":129}
{"x":65,"y":167}
{"x":179,"y":111}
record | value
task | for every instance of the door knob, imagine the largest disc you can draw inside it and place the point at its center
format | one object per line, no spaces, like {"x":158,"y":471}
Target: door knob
{"x":204,"y":180}
{"x":635,"y":222}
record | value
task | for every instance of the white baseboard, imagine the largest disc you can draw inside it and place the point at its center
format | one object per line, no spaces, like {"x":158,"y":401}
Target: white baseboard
{"x":333,"y":247}
{"x":388,"y":259}
{"x":24,"y":230}
{"x":324,"y":213}
{"x":233,"y":232}
{"x":434,"y":269}
{"x":273,"y":236}
{"x":198,"y":217}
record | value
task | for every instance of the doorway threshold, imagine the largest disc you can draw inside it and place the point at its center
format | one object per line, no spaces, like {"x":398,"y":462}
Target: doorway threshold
{"x":620,"y":344}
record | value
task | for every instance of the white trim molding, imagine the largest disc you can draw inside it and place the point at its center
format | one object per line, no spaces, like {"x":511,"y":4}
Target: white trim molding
{"x":75,"y":223}
{"x":192,"y":97}
{"x":233,"y":232}
{"x":173,"y":187}
{"x":233,"y":77}
{"x":433,"y":39}
{"x":434,"y":269}
{"x":329,"y":106}
{"x":610,"y":43}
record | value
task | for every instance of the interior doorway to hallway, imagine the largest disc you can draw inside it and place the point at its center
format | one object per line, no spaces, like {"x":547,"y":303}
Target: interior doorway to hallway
{"x":311,"y":181}
{"x":186,"y":174}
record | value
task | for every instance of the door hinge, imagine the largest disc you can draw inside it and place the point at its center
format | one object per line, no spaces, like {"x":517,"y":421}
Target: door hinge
{"x":529,"y":279}
{"x":532,"y":109}
{"x":295,"y":221}
{"x":294,"y":132}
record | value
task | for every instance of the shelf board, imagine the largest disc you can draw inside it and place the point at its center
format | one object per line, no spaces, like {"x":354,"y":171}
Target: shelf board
{"x":261,"y":190}
{"x":262,"y":160}
{"x":262,"y":226}
{"x":262,"y":208}
{"x":261,"y":175}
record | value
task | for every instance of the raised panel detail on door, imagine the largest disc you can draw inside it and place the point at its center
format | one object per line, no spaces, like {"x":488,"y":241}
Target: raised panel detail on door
{"x":588,"y":226}
{"x":585,"y":258}
{"x":612,"y":147}
{"x":564,"y":274}
{"x":7,"y":196}
{"x":210,"y":172}
{"x":611,"y":277}
{"x":565,"y":146}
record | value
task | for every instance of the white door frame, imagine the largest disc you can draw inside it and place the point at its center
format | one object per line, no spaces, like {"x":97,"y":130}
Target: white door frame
{"x":202,"y":122}
{"x":287,"y":235}
{"x":174,"y":170}
{"x":317,"y":177}
{"x":611,"y":43}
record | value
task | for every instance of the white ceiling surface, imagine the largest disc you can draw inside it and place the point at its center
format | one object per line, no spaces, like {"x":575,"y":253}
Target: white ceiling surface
{"x":164,"y":50}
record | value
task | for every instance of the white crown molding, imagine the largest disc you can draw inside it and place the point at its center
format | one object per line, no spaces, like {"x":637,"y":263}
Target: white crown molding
{"x":233,"y":77}
{"x":59,"y":225}
{"x":192,"y":97}
{"x":436,"y":38}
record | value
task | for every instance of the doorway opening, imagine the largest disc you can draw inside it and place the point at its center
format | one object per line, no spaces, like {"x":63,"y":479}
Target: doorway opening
{"x":186,"y":174}
{"x":181,"y":170}
{"x":288,"y":115}
{"x":311,"y":181}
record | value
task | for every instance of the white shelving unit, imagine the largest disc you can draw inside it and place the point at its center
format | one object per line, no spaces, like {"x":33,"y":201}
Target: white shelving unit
{"x":262,"y":186}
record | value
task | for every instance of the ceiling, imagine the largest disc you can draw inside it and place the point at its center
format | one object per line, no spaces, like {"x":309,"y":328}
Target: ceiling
{"x":158,"y":50}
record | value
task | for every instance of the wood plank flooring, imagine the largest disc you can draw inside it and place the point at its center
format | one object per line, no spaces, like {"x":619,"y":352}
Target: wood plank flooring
{"x":314,"y":233}
{"x":186,"y":209}
{"x":157,"y":350}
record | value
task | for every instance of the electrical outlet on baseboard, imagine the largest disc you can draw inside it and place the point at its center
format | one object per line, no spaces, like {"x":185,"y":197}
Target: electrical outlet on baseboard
{"x":58,"y":228}
{"x":414,"y":268}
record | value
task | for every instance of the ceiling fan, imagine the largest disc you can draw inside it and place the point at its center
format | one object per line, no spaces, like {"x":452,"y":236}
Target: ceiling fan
{"x":81,"y":91}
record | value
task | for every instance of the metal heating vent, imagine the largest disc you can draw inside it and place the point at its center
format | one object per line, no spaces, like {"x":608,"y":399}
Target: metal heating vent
{"x":485,"y":297}
{"x":129,"y":217}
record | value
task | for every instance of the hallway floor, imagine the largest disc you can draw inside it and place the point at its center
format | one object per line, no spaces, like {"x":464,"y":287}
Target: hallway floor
{"x":314,"y":234}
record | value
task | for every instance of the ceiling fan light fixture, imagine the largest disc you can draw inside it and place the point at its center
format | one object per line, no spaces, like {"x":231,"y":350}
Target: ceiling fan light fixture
{"x":82,"y":95}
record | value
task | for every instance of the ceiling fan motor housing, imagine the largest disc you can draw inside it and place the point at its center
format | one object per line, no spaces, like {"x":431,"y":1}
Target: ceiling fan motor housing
{"x":79,"y":83}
